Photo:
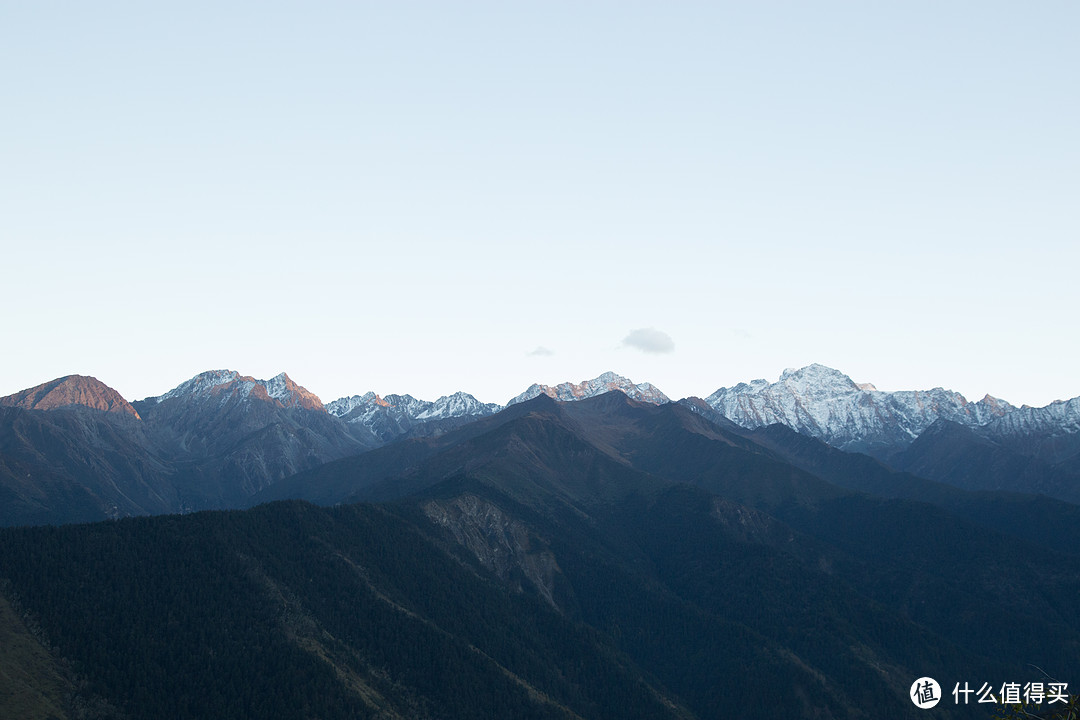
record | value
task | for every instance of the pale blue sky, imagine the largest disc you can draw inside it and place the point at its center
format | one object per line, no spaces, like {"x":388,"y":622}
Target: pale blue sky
{"x":413,"y":197}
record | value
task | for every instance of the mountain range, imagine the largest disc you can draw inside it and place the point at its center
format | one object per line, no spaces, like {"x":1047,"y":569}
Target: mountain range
{"x":589,"y":550}
{"x":73,"y":449}
{"x":596,"y":558}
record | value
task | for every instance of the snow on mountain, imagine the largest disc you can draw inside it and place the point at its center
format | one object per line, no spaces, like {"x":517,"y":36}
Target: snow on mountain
{"x":360,"y":407}
{"x":1059,"y":417}
{"x":407,"y":405}
{"x":392,"y":416}
{"x":1051,"y":433}
{"x":460,"y":404}
{"x":825,"y":403}
{"x":226,"y":385}
{"x":202,"y":385}
{"x":644,"y":392}
{"x":814,"y":400}
{"x":344,"y":406}
{"x":282,"y":388}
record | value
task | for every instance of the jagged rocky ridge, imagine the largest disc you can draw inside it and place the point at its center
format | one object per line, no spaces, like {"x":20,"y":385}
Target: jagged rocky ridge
{"x":827,"y":404}
{"x":1051,"y":433}
{"x":567,"y":391}
{"x":394,"y":416}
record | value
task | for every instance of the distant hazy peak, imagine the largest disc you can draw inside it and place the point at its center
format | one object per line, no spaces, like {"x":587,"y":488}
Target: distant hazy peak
{"x":71,"y":391}
{"x":567,"y":391}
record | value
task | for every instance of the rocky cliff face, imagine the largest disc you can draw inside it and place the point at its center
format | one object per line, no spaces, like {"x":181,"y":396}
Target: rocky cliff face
{"x":501,"y":543}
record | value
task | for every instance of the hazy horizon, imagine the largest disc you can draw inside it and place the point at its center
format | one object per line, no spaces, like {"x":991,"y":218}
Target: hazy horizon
{"x":426,"y":198}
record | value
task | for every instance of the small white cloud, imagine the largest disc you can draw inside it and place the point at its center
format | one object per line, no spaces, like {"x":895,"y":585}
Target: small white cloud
{"x":650,"y":340}
{"x":540,"y":351}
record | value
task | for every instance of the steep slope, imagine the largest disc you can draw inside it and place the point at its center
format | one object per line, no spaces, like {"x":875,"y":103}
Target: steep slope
{"x":282,"y":388}
{"x":73,"y":463}
{"x":33,"y":684}
{"x":826,"y":404}
{"x":291,"y":611}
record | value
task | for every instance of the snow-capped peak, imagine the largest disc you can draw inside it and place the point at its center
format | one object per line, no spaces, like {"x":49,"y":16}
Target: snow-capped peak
{"x":1059,"y":417}
{"x":392,"y":416}
{"x":460,"y":404}
{"x":282,"y":388}
{"x":608,"y":381}
{"x":277,"y":387}
{"x":826,"y":403}
{"x":213,"y":382}
{"x":200,"y":385}
{"x":818,"y":380}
